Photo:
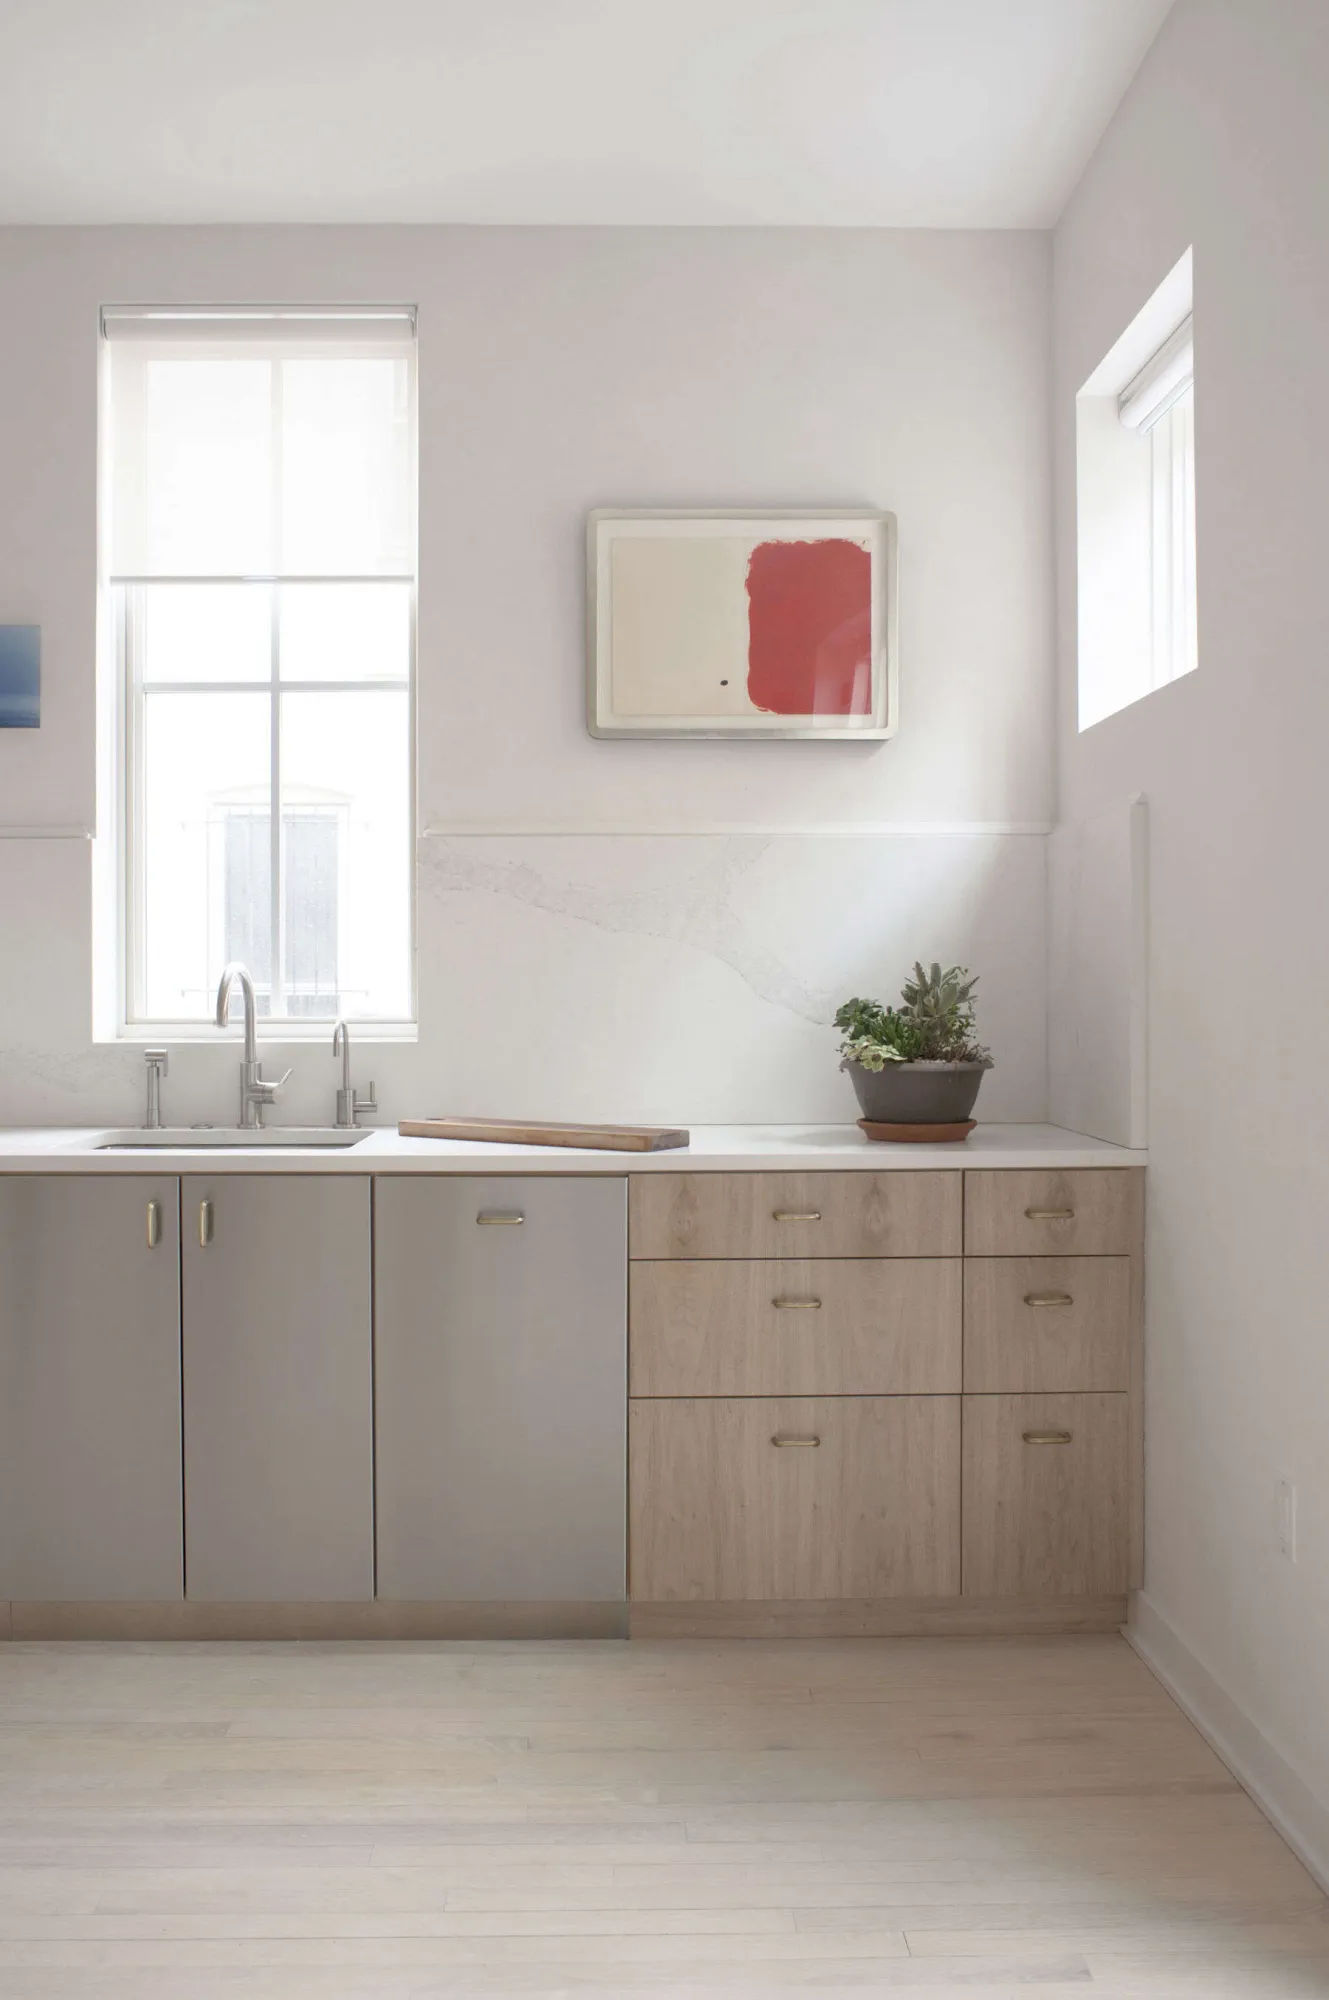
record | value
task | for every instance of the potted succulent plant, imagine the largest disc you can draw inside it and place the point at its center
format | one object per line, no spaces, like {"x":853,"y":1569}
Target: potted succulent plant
{"x":918,"y":1064}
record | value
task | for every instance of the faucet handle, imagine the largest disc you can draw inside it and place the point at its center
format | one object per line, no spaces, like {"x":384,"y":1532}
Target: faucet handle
{"x":265,"y":1088}
{"x":369,"y":1102}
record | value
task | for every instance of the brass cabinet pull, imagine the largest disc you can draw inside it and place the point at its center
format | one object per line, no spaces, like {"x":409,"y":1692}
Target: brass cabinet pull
{"x":795,"y":1215}
{"x":797,"y":1305}
{"x":778,"y":1440}
{"x":493,"y":1217}
{"x":1050,"y":1214}
{"x":204,"y":1224}
{"x":1047,"y":1437}
{"x":154,"y":1224}
{"x":1048,"y":1299}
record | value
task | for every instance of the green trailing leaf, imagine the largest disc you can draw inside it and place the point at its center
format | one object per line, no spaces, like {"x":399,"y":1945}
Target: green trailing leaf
{"x":869,"y":1054}
{"x":934,"y":1023}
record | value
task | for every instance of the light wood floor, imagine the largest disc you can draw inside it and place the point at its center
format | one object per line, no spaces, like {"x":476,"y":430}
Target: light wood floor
{"x":944,"y":1817}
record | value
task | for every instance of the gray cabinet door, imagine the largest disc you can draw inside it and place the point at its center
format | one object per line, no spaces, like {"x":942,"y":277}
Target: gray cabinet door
{"x":90,"y":1504}
{"x":501,"y":1388}
{"x":278,"y":1395}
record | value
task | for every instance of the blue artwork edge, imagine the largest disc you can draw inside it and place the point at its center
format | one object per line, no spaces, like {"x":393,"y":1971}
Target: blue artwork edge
{"x":20,"y":676}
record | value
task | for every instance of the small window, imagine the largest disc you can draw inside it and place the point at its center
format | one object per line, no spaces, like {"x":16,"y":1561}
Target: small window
{"x":1135,"y":489}
{"x":260,"y":561}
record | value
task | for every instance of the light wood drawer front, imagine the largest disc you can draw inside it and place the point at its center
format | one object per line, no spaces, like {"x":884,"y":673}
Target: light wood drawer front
{"x":815,"y":1327}
{"x":898,"y":1214}
{"x":1046,"y":1323}
{"x":718,"y":1510}
{"x":1046,"y":1496}
{"x":1088,"y":1212}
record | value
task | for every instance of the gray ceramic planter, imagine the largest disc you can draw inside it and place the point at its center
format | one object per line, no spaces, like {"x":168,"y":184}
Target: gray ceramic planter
{"x":917,"y":1093}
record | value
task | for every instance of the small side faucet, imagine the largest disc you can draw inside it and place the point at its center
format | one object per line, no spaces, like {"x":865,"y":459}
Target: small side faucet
{"x":158,"y":1062}
{"x":256,"y":1091}
{"x":349,"y":1106}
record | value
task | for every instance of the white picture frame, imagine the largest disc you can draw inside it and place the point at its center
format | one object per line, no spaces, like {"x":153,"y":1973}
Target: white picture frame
{"x":723,"y":622}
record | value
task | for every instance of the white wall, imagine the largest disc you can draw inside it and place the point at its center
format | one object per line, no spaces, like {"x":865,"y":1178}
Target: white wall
{"x":1098,"y":974}
{"x":1222,"y":142}
{"x":632,"y":928}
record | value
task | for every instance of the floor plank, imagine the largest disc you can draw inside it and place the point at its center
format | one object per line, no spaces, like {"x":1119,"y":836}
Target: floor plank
{"x":973,"y":1817}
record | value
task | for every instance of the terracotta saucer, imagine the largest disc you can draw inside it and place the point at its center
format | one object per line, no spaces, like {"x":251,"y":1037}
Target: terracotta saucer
{"x":919,"y":1135}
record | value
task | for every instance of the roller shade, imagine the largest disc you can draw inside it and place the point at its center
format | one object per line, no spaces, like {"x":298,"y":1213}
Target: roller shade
{"x":1163,"y":381}
{"x":259,"y":444}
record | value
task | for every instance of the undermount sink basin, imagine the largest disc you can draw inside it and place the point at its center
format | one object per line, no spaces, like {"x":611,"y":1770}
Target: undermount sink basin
{"x":301,"y":1137}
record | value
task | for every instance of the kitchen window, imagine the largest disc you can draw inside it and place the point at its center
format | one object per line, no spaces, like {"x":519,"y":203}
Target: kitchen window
{"x":259,"y":494}
{"x":1135,"y":508}
{"x":1158,"y":408}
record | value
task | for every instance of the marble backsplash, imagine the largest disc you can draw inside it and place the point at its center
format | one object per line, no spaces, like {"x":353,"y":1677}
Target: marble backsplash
{"x":681,"y":978}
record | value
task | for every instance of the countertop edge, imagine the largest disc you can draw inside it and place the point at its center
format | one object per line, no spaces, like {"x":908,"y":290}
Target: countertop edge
{"x":714,"y":1149}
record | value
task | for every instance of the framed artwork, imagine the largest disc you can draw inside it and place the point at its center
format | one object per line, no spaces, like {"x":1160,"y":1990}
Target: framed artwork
{"x":729,"y":624}
{"x":20,"y":676}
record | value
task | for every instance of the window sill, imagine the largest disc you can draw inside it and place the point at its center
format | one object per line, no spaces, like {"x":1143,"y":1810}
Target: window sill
{"x":271,"y":1034}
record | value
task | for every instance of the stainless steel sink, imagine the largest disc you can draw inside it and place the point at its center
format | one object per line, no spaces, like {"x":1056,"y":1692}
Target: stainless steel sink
{"x":300,"y":1138}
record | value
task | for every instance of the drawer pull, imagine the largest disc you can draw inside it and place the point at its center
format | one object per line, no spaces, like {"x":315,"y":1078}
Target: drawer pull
{"x":204,"y":1224}
{"x":797,"y":1305}
{"x":1048,"y":1299}
{"x":1047,"y":1437}
{"x":1050,"y":1214}
{"x":782,"y":1441}
{"x":795,"y":1215}
{"x":499,"y":1217}
{"x":154,"y":1224}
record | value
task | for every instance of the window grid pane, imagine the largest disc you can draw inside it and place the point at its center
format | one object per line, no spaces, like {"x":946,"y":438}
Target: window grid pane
{"x":203,"y":763}
{"x":343,"y":771}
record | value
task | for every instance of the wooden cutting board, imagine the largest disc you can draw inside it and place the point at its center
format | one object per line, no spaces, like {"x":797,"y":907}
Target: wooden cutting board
{"x":523,"y":1132}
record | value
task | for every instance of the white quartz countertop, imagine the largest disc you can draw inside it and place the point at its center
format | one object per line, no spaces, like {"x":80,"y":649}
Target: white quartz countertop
{"x":714,"y":1149}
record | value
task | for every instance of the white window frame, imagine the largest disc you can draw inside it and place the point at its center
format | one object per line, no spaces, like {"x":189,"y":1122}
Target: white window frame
{"x":1173,"y":649}
{"x":133,"y":1023}
{"x":1159,"y":404}
{"x":1136,"y":557}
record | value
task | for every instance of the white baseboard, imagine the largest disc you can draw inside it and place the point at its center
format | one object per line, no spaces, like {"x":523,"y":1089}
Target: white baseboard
{"x":1281,"y":1794}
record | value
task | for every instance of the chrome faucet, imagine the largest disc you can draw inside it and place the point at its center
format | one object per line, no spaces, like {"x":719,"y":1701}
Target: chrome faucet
{"x":349,"y":1106}
{"x":158,"y":1062}
{"x":255,"y":1090}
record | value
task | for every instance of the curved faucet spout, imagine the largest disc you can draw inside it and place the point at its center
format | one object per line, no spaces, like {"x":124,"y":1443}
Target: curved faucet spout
{"x":341,"y":1046}
{"x":255,"y":1089}
{"x":234,"y":972}
{"x":349,"y":1106}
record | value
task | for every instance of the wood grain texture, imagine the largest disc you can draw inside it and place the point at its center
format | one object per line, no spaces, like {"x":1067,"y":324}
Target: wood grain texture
{"x":1016,"y":1340}
{"x":529,"y":1132}
{"x":1046,"y":1519}
{"x":719,"y":1510}
{"x":897,"y":1617}
{"x":685,"y":1821}
{"x":1103,"y":1204}
{"x":808,"y":1327}
{"x":795,"y":1215}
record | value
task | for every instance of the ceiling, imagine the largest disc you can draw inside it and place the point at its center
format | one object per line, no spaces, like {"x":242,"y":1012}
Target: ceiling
{"x":915,"y":113}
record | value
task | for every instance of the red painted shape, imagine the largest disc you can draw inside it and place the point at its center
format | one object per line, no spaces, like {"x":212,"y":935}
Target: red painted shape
{"x":810,"y":628}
